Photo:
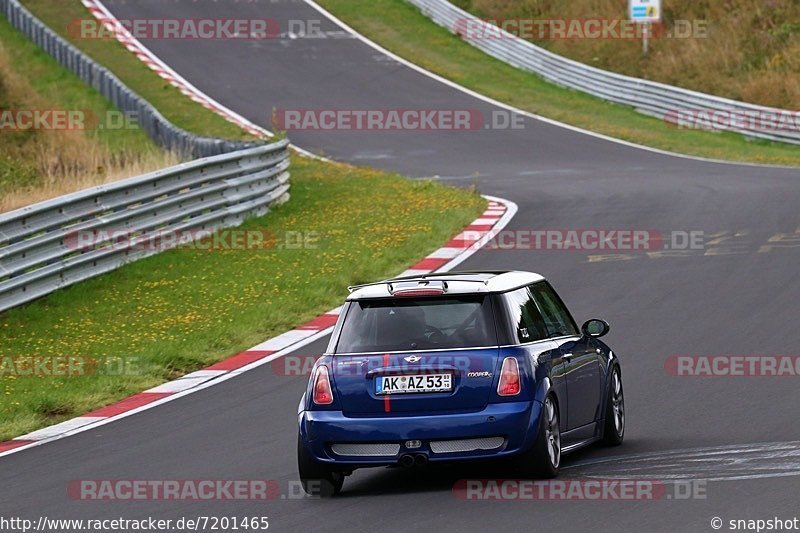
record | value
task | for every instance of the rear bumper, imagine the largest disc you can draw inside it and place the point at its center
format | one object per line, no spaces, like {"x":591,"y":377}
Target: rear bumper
{"x":515,"y":422}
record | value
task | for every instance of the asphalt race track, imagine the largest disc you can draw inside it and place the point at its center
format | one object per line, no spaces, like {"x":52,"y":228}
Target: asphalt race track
{"x":737,"y":295}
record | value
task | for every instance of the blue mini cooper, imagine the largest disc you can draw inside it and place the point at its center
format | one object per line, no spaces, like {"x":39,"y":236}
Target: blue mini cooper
{"x":456,"y":366}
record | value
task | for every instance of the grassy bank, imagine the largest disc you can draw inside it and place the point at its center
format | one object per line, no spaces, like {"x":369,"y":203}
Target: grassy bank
{"x":401,"y":28}
{"x":36,"y":164}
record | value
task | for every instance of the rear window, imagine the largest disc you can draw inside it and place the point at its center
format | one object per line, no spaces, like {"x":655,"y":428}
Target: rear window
{"x":400,"y":324}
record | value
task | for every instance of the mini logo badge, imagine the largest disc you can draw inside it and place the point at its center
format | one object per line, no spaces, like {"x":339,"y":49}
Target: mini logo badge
{"x":412,"y":358}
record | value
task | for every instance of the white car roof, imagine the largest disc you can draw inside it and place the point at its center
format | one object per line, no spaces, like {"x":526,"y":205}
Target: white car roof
{"x":457,"y":283}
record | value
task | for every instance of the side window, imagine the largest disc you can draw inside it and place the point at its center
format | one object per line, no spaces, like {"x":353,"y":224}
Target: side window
{"x":524,"y":314}
{"x":556,"y":317}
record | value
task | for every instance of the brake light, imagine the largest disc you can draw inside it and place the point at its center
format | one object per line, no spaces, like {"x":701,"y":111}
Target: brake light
{"x":418,"y":292}
{"x":509,"y":378}
{"x":323,"y":394}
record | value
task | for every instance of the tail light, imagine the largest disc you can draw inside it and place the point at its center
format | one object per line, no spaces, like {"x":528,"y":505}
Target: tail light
{"x":323,"y":394}
{"x":509,"y":378}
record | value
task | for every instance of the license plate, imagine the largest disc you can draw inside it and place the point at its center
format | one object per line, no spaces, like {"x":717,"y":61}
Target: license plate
{"x":415,"y":383}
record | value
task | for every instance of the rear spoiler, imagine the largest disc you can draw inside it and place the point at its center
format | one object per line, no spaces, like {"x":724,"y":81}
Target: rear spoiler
{"x":420,"y":280}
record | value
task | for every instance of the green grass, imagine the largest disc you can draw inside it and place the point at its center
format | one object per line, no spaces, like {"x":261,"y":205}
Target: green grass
{"x":176,"y":107}
{"x":749,"y":51}
{"x":31,"y":79}
{"x":401,"y":28}
{"x":185,"y":309}
{"x":58,"y":86}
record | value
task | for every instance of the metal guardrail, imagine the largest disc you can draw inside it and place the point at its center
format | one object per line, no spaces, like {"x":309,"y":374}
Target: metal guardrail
{"x":38,"y":253}
{"x":648,"y":97}
{"x":162,"y":131}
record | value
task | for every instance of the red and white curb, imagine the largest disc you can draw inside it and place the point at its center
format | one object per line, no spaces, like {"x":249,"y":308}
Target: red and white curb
{"x":497,"y":215}
{"x":129,"y":41}
{"x":110,"y":22}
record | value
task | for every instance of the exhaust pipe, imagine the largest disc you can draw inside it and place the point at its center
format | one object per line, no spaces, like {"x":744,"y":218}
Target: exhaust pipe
{"x":407,"y":460}
{"x":420,"y":459}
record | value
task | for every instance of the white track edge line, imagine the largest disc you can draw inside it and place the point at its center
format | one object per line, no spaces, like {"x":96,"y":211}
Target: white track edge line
{"x":183,"y":83}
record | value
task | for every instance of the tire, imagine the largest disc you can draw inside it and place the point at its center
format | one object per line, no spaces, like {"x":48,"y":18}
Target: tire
{"x":542,"y":461}
{"x":317,"y":479}
{"x":614,"y":428}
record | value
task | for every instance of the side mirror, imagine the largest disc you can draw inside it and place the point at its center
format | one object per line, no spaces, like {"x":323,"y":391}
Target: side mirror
{"x":595,"y":327}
